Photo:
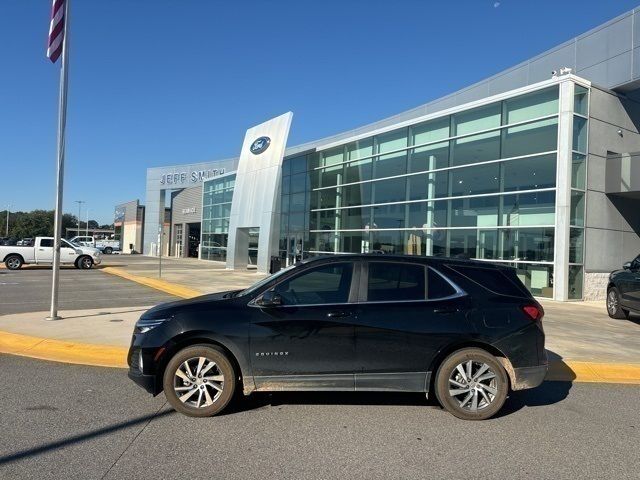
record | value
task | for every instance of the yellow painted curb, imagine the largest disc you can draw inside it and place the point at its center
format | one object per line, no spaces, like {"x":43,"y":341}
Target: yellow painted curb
{"x":162,"y":285}
{"x":63,"y":351}
{"x":594,"y":372}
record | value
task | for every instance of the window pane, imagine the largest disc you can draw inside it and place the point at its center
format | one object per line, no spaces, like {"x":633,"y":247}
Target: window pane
{"x":475,"y":180}
{"x":537,"y":278}
{"x":491,"y":279}
{"x":576,"y":244}
{"x":356,"y":194}
{"x":393,"y":190}
{"x":297,"y":202}
{"x":47,"y":242}
{"x":429,"y":158}
{"x":298,"y":165}
{"x":358,"y":171}
{"x":580,"y":134}
{"x":355,"y":218}
{"x":390,"y":165}
{"x":360,"y":148}
{"x":463,"y":243}
{"x":475,"y":212}
{"x":395,"y":281}
{"x":575,"y":282}
{"x":328,"y":198}
{"x":333,"y":156}
{"x":477,"y":119}
{"x":427,"y":215}
{"x":532,"y":105}
{"x":354,"y":242}
{"x":529,"y":173}
{"x":286,"y":167}
{"x":391,"y":141}
{"x":581,"y":98}
{"x":477,"y":148}
{"x":389,"y":216}
{"x":387,"y":242}
{"x":529,"y":244}
{"x":330,"y":176}
{"x":428,"y":185}
{"x":576,"y":215}
{"x":327,"y":284}
{"x":437,"y":286}
{"x":298,"y":182}
{"x":537,"y":208}
{"x":578,"y":171}
{"x":530,"y":138}
{"x":286,"y":185}
{"x":430,"y":131}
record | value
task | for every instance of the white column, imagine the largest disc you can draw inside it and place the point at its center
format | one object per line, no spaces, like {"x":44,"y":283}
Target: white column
{"x":563,"y":193}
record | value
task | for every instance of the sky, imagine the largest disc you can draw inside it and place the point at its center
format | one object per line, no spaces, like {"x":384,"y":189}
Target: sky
{"x":164,"y":82}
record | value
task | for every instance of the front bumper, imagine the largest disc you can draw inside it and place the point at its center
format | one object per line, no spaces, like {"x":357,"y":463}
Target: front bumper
{"x":148,"y":382}
{"x":529,"y":377}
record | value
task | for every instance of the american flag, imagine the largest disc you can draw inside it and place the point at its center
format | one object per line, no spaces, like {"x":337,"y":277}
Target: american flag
{"x":56,"y":30}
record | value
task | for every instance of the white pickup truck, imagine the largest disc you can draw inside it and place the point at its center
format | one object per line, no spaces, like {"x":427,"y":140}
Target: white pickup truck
{"x":105,"y":246}
{"x":42,"y":253}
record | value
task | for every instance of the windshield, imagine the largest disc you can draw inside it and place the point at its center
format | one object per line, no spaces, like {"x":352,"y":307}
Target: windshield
{"x":67,"y":243}
{"x":264,"y":281}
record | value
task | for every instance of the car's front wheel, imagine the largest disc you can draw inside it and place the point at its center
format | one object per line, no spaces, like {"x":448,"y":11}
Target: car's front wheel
{"x":84,"y":262}
{"x":471,"y":384}
{"x":199,"y":381}
{"x":108,"y":251}
{"x":614,"y":309}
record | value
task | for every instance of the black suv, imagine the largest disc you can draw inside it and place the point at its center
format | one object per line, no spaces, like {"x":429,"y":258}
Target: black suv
{"x":623,"y":290}
{"x":467,"y":330}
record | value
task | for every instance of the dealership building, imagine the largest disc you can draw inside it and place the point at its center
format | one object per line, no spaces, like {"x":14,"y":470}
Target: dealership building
{"x":534,"y":167}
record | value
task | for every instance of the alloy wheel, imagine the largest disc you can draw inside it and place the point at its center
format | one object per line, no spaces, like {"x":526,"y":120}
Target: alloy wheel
{"x":201,"y":376}
{"x":612,"y":302}
{"x":13,"y":263}
{"x":473,"y":385}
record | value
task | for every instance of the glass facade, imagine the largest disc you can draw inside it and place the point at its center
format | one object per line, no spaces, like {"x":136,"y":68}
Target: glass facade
{"x":216,"y":209}
{"x":476,"y":184}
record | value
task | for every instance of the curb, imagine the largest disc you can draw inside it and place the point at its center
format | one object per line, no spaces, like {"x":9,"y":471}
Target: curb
{"x":63,"y":351}
{"x":116,"y":357}
{"x":162,"y":285}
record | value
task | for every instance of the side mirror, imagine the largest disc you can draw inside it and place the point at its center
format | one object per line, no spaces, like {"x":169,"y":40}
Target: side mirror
{"x":269,"y":299}
{"x":627,"y":266}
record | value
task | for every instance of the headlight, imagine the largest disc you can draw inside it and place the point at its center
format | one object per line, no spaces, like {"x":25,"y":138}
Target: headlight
{"x":144,"y":325}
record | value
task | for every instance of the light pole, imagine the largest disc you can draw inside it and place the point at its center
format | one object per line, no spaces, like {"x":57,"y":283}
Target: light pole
{"x":79,"y":202}
{"x":86,"y":231}
{"x":8,"y":208}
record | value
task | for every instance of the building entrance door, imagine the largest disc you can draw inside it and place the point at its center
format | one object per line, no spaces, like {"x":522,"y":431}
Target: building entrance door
{"x":194,"y":240}
{"x":295,"y":248}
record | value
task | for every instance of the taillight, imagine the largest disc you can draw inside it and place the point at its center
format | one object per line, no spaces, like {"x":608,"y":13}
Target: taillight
{"x":534,"y":312}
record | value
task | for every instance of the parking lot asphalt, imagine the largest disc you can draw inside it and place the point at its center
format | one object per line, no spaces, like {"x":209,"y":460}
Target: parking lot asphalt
{"x":66,"y":421}
{"x":29,"y":290}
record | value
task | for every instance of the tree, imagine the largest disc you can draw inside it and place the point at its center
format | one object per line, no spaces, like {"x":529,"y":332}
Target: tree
{"x":37,"y":223}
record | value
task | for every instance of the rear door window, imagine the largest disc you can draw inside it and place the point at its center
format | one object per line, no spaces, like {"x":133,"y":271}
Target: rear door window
{"x":395,"y":282}
{"x":438,"y":286}
{"x":493,"y":279}
{"x":46,"y":242}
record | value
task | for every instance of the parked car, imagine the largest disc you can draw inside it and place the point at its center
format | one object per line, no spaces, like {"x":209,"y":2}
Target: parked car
{"x":42,"y":253}
{"x":623,"y":290}
{"x":104,"y":245}
{"x":467,"y":331}
{"x":25,"y":242}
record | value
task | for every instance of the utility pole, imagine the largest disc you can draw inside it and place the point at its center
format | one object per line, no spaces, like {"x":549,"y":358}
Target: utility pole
{"x":79,"y":202}
{"x":8,"y":208}
{"x":86,"y":231}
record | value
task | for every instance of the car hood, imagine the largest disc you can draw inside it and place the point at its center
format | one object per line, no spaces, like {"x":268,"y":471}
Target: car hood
{"x":168,"y":309}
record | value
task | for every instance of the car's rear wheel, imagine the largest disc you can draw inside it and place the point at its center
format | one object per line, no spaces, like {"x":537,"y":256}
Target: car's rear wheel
{"x":471,"y":384}
{"x":13,"y":262}
{"x":614,"y":309}
{"x":199,"y":381}
{"x":108,"y":251}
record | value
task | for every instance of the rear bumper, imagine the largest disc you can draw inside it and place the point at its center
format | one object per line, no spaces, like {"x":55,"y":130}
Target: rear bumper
{"x":529,"y":377}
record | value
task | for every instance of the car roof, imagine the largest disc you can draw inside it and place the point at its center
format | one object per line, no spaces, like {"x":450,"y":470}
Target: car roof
{"x":403,"y":258}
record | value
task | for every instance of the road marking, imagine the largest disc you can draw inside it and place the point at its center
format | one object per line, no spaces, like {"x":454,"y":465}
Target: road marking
{"x":162,"y":285}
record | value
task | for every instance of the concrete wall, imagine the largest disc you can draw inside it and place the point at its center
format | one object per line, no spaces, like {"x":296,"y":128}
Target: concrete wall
{"x":186,"y":207}
{"x":130,"y":218}
{"x":612,"y":234}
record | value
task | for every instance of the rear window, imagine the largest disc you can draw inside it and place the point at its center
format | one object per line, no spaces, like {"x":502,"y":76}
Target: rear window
{"x":437,"y":286}
{"x":395,"y":281}
{"x":493,"y":279}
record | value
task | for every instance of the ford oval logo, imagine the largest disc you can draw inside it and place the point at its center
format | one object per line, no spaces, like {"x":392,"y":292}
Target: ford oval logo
{"x":260,"y":145}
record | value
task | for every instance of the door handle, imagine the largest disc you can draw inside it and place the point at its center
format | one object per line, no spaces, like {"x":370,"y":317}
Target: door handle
{"x":338,"y":314}
{"x":444,"y":310}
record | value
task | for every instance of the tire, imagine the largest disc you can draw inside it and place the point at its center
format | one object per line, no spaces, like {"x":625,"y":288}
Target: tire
{"x":486,"y":393}
{"x":208,"y":397}
{"x":13,"y":262}
{"x":614,"y":309}
{"x":84,"y":263}
{"x":108,"y":251}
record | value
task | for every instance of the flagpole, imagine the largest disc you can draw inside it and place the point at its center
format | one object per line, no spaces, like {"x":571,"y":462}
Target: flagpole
{"x":62,"y":124}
